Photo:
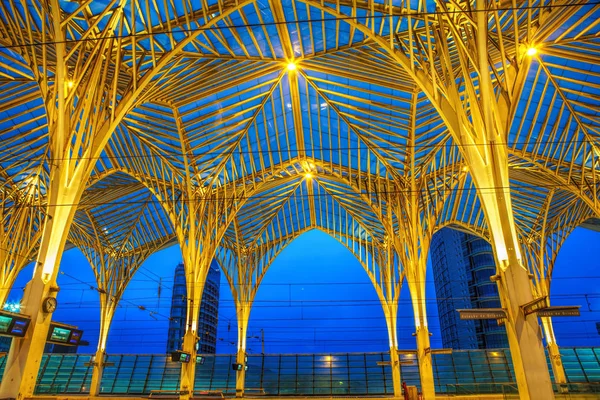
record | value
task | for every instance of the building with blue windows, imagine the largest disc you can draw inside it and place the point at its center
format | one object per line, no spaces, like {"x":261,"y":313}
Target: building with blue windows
{"x":462,"y":265}
{"x":209,"y":311}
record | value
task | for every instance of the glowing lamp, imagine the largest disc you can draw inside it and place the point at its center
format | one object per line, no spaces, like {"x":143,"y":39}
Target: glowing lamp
{"x":532,"y":51}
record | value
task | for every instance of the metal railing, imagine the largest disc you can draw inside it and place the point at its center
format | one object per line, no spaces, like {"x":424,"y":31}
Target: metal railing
{"x":462,"y":372}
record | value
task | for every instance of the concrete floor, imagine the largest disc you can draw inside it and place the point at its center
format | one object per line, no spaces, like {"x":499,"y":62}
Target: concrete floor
{"x":438,"y":397}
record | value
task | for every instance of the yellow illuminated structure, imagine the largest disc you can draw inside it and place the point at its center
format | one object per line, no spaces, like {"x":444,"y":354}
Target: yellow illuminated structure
{"x":128,"y":126}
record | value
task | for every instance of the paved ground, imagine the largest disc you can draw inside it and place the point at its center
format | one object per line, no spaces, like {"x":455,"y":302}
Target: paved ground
{"x":439,"y":397}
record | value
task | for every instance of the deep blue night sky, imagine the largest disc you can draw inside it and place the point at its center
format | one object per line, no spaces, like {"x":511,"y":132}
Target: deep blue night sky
{"x":300,"y":306}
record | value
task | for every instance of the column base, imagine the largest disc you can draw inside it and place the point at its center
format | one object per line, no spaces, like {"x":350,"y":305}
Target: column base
{"x":425,"y":364}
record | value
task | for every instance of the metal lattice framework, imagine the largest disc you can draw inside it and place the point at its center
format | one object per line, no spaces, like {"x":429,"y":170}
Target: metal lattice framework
{"x":230,"y":127}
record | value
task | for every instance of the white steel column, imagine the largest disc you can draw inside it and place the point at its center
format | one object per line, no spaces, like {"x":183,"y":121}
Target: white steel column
{"x":417,"y":293}
{"x":486,"y":151}
{"x":97,"y":372}
{"x":106,"y":315}
{"x":25,"y":355}
{"x":243,"y":315}
{"x":391,"y":319}
{"x":553,"y":351}
{"x":194,"y":299}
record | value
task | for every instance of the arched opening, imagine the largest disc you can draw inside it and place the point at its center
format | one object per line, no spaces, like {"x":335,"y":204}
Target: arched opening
{"x":314,"y":306}
{"x":575,"y":282}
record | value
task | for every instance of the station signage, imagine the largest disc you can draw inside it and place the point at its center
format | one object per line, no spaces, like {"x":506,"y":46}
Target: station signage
{"x":559,"y":311}
{"x":535,"y":305}
{"x":12,"y":324}
{"x":482,"y":313}
{"x":66,"y":335}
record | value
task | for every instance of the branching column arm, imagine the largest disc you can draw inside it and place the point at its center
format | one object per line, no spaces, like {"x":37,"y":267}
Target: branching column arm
{"x":244,"y":267}
{"x":388,"y":290}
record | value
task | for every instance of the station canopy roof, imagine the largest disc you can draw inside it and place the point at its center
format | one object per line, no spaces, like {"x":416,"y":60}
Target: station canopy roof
{"x":299,"y":111}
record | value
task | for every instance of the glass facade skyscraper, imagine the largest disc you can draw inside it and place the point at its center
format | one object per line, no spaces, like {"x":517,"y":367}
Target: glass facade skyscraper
{"x":209,"y":311}
{"x":462,"y":265}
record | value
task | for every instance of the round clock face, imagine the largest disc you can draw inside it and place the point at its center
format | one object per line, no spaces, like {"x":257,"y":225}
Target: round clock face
{"x":50,"y":304}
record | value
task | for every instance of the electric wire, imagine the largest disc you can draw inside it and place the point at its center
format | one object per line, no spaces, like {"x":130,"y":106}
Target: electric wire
{"x":173,"y":156}
{"x":303,"y":21}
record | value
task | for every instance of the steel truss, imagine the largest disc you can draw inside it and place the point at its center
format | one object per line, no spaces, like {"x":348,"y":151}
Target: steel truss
{"x":232,"y":127}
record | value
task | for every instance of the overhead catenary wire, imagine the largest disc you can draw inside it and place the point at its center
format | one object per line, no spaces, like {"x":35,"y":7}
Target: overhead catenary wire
{"x":219,"y":199}
{"x":171,"y":155}
{"x":412,"y":14}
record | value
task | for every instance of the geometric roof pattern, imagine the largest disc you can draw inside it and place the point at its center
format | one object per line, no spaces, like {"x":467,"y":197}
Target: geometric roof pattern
{"x":253,"y":121}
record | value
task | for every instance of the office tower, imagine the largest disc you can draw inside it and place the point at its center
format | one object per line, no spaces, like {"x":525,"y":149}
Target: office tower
{"x":209,"y":311}
{"x":462,"y":265}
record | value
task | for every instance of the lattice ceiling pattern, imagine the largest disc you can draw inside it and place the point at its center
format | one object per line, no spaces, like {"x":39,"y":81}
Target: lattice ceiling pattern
{"x":296,"y":108}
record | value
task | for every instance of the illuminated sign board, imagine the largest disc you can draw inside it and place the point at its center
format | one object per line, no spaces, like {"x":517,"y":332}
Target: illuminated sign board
{"x":239,"y":367}
{"x":200,"y":360}
{"x":181,"y":357}
{"x":482,"y":313}
{"x":12,"y":324}
{"x":559,"y":311}
{"x":64,"y":334}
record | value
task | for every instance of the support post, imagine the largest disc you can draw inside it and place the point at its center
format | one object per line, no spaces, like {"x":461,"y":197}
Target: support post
{"x":524,"y":335}
{"x":25,"y":355}
{"x":243,"y":315}
{"x":106,"y":315}
{"x":558,"y":368}
{"x":417,"y":293}
{"x":97,"y":372}
{"x":425,"y":364}
{"x":391,"y":318}
{"x":188,"y":370}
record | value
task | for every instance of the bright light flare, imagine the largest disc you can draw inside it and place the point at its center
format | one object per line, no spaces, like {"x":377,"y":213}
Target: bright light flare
{"x":308,"y":175}
{"x":532,"y":51}
{"x":292,"y":66}
{"x":70,"y":84}
{"x":12,"y":307}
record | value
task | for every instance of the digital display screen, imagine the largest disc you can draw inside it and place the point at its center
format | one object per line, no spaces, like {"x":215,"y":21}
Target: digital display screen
{"x":60,"y":335}
{"x":19,"y":327}
{"x":5,"y":323}
{"x":64,"y":334}
{"x":13,"y":324}
{"x":237,"y":367}
{"x":199,"y":360}
{"x":181,"y":356}
{"x":75,"y":337}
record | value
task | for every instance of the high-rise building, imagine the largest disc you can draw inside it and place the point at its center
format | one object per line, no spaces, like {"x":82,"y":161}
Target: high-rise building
{"x":462,"y":265}
{"x":209,"y":311}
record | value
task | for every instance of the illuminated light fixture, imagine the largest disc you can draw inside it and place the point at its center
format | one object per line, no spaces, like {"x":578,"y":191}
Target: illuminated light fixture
{"x":12,"y":307}
{"x":308,"y":175}
{"x":70,"y":84}
{"x":291,"y":66}
{"x":465,"y":168}
{"x":532,"y":51}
